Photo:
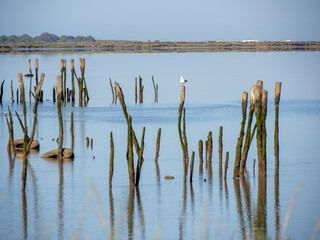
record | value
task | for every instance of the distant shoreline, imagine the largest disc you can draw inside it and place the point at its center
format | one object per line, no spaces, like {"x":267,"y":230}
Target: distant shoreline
{"x":153,"y":47}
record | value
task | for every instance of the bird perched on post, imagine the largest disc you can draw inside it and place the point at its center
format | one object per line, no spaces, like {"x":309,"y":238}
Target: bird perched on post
{"x":182,"y":80}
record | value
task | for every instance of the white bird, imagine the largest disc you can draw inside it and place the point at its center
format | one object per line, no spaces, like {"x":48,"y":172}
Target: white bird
{"x":182,"y":80}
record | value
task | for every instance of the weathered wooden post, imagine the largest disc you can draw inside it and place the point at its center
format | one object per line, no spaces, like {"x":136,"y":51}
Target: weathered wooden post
{"x":191,"y":166}
{"x":277,"y":93}
{"x":140,"y":157}
{"x":241,"y":134}
{"x":111,"y":159}
{"x":54,"y":94}
{"x":11,"y":147}
{"x":59,"y":102}
{"x":210,"y":148}
{"x":226,"y":165}
{"x":72,"y":81}
{"x":158,"y":145}
{"x":135,"y":91}
{"x":112,"y":90}
{"x":35,"y":114}
{"x":25,"y":139}
{"x":17,"y":95}
{"x":36,"y":70}
{"x":12,"y":97}
{"x":200,"y":147}
{"x":140,"y":90}
{"x":155,"y":87}
{"x":1,"y":91}
{"x":249,"y":135}
{"x":220,"y":151}
{"x":182,"y":98}
{"x":30,"y":75}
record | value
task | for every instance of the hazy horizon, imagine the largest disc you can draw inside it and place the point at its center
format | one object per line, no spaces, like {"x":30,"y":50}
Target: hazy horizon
{"x":143,"y":20}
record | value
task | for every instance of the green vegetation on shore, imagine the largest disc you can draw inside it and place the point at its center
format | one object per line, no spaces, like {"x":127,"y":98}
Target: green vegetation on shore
{"x":50,"y":43}
{"x":44,"y":37}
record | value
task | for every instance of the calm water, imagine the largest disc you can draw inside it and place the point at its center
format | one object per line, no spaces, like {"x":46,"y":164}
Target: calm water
{"x":75,"y":200}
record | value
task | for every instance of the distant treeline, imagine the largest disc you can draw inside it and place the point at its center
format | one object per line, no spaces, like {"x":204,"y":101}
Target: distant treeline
{"x":44,"y":37}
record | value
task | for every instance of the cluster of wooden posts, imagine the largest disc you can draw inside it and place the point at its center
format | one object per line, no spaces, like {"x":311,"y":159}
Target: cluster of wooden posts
{"x":138,"y":91}
{"x":257,"y":108}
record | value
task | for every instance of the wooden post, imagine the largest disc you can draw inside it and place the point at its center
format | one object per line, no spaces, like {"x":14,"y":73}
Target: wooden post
{"x":111,"y":159}
{"x":191,"y":166}
{"x":80,"y":82}
{"x":1,"y":91}
{"x":277,"y":93}
{"x":241,"y":135}
{"x":59,"y":102}
{"x":135,"y":91}
{"x":88,"y":141}
{"x":35,"y":114}
{"x":140,"y":90}
{"x":220,"y":151}
{"x":36,"y":70}
{"x":157,"y":145}
{"x":155,"y":87}
{"x":182,"y":97}
{"x":72,"y":80}
{"x":249,"y":135}
{"x":210,"y":148}
{"x":200,"y":146}
{"x":11,"y":146}
{"x":130,"y":153}
{"x":54,"y":94}
{"x":112,"y":90}
{"x":206,"y":154}
{"x":12,"y":97}
{"x":140,"y":157}
{"x":30,"y":74}
{"x":226,"y":165}
{"x":184,"y":135}
{"x":25,"y":139}
{"x":17,"y":95}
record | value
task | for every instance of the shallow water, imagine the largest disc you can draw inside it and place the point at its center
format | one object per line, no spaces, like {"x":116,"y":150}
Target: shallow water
{"x":74,"y":199}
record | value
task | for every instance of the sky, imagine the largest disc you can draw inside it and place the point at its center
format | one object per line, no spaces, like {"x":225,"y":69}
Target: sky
{"x":166,"y":20}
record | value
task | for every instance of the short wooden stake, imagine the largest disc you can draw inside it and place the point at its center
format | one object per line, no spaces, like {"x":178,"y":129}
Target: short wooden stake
{"x":1,"y":91}
{"x":111,"y":158}
{"x":226,"y":165}
{"x":200,"y":147}
{"x":191,"y":166}
{"x":277,"y":93}
{"x":220,"y":151}
{"x":158,"y":145}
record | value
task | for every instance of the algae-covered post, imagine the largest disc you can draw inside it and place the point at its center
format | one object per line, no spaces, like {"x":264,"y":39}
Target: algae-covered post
{"x":200,"y":147}
{"x":30,"y":75}
{"x":36,"y":70}
{"x":140,"y":90}
{"x":220,"y":151}
{"x":135,"y":91}
{"x":277,"y":93}
{"x":72,"y":81}
{"x":158,"y":145}
{"x":226,"y":165}
{"x":191,"y":166}
{"x":35,"y":113}
{"x":1,"y":91}
{"x":25,"y":139}
{"x":59,"y":102}
{"x":260,"y":109}
{"x":241,"y":134}
{"x":111,"y":90}
{"x":111,"y":159}
{"x":249,"y":134}
{"x":155,"y":87}
{"x":140,"y":157}
{"x":179,"y":127}
{"x":11,"y":147}
{"x":12,"y":97}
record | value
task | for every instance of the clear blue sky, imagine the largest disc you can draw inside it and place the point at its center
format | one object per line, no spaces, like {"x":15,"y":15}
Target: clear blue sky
{"x":172,"y":20}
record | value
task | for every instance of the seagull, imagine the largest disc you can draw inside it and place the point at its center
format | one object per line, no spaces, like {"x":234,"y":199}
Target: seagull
{"x":182,"y":80}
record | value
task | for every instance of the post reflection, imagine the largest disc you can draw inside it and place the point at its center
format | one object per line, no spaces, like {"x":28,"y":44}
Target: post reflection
{"x":111,"y":207}
{"x":276,"y":204}
{"x":60,"y":202}
{"x":130,"y":212}
{"x":183,"y":212}
{"x":261,"y":216}
{"x":12,"y":159}
{"x":24,"y":215}
{"x":245,"y":184}
{"x":141,"y":215}
{"x":240,"y":207}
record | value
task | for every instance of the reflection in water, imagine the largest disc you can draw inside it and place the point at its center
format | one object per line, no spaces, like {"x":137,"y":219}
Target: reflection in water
{"x":183,"y":211}
{"x":226,"y":193}
{"x":239,"y":207}
{"x":60,"y":202}
{"x":247,"y":197}
{"x":12,"y":159}
{"x":25,"y":215}
{"x":261,"y":217}
{"x":130,"y":212}
{"x":141,"y":216}
{"x":111,"y":213}
{"x":276,"y":204}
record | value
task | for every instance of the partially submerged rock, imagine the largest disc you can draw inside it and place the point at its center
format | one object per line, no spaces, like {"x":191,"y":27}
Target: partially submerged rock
{"x":18,"y":144}
{"x":168,"y":177}
{"x":53,"y":154}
